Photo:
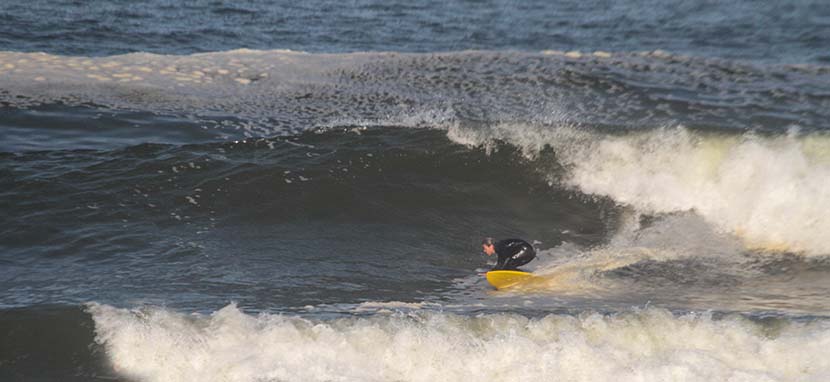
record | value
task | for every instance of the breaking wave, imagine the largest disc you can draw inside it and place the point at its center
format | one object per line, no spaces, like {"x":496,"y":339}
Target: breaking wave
{"x":155,"y":344}
{"x":768,"y":189}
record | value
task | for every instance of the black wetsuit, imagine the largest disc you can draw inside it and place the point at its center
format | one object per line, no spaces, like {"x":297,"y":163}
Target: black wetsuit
{"x":513,"y":253}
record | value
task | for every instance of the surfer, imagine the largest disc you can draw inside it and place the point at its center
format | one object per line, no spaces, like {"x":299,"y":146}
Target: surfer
{"x":512,"y":253}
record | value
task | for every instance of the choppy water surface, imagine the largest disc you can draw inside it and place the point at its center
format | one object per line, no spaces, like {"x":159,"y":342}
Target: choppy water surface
{"x":174,"y":208}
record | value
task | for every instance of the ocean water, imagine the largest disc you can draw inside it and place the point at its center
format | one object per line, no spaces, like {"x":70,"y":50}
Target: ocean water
{"x":267,"y":191}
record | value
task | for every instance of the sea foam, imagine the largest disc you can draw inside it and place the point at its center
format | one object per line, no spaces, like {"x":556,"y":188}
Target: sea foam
{"x":154,"y":344}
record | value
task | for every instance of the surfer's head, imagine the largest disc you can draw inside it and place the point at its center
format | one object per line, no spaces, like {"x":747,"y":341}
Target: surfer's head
{"x":487,"y":246}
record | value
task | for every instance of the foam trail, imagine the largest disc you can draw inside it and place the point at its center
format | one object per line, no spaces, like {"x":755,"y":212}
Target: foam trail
{"x":771,"y":191}
{"x":649,"y":345}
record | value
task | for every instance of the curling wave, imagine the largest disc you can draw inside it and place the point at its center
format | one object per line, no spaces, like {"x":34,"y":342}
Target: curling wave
{"x":769,"y":190}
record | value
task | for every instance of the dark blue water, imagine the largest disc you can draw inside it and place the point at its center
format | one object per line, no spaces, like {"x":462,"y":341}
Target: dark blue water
{"x":256,"y":191}
{"x":791,"y":32}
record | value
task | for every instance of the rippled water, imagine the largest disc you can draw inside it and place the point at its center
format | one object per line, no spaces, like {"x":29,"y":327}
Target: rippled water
{"x":182,"y":198}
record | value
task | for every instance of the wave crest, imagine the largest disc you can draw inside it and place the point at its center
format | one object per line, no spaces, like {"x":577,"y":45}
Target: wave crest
{"x":769,"y":190}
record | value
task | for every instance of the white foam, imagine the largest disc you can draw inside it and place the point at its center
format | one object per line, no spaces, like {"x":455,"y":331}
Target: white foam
{"x":771,"y":191}
{"x":649,"y":345}
{"x":164,"y":83}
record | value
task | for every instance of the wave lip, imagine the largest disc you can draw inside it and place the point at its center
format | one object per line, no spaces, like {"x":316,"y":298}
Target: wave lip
{"x":649,"y":345}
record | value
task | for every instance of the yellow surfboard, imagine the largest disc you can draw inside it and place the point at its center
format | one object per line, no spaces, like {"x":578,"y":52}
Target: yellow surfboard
{"x":506,"y":279}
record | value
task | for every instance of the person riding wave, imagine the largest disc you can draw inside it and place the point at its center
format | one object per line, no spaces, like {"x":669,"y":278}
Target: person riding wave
{"x":512,"y":253}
